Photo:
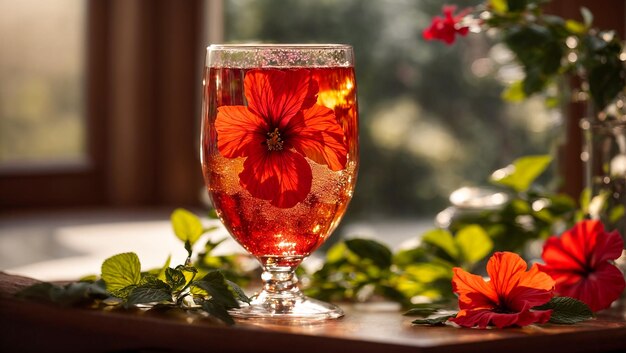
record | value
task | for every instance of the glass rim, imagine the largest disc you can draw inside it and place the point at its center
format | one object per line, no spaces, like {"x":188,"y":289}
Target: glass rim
{"x":278,"y":46}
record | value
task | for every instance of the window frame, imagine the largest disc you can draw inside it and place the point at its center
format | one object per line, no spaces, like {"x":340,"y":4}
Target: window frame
{"x":144,"y":66}
{"x":76,"y":183}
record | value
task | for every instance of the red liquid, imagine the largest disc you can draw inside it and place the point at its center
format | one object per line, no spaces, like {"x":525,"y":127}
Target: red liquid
{"x":262,"y":229}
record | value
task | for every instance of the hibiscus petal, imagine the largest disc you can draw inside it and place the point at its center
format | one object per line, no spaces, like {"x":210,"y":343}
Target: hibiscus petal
{"x":609,"y":246}
{"x":562,"y":277}
{"x":555,"y":255}
{"x":284,"y":178}
{"x":537,"y":279}
{"x":238,"y":129}
{"x":473,"y":291}
{"x":277,"y":95}
{"x":528,"y":317}
{"x":317,"y":134}
{"x":473,"y":318}
{"x":580,"y":241}
{"x":599,"y":289}
{"x":505,"y":270}
{"x":483,"y":318}
{"x":523,"y":298}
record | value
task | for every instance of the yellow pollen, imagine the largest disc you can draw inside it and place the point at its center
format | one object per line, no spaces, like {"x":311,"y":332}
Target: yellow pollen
{"x":274,"y":142}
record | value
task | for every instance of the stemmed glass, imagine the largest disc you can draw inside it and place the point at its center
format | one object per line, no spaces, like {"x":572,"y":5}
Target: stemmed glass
{"x":279,"y":150}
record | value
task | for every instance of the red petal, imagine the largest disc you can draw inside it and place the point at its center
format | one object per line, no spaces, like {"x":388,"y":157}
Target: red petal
{"x":564,"y":279}
{"x":448,"y":11}
{"x":505,"y":270}
{"x":533,"y":317}
{"x":609,"y":246}
{"x":277,"y":95}
{"x":537,"y":279}
{"x":473,"y":291}
{"x":316,"y":134}
{"x":473,"y":318}
{"x":524,"y":298}
{"x":238,"y":129}
{"x":598,"y":290}
{"x":284,"y":178}
{"x":484,"y":318}
{"x":556,"y":256}
{"x":501,"y":320}
{"x":580,"y":241}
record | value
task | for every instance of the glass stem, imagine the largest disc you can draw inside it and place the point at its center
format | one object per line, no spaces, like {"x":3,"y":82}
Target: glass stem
{"x":280,"y":289}
{"x":281,"y":281}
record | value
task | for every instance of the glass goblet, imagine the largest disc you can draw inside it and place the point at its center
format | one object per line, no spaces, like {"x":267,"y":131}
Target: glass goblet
{"x":279,"y":150}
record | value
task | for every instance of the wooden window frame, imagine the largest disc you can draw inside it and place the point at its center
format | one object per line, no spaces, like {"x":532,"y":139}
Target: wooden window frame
{"x":68,"y":184}
{"x":142,"y":95}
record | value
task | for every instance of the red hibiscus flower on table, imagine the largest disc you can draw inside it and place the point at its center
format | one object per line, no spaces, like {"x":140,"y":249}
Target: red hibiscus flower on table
{"x":579,"y":262}
{"x":446,"y":28}
{"x":281,"y":125}
{"x":507,"y":299}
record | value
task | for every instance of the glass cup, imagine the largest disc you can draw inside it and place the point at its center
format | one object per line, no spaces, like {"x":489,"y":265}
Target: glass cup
{"x":279,"y":150}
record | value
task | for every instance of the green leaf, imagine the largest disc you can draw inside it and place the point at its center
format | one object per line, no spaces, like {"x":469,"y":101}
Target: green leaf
{"x":70,"y":294}
{"x":120,"y":271}
{"x":522,"y":173}
{"x":473,"y":243}
{"x":211,"y":245}
{"x":514,"y":93}
{"x":187,"y":226}
{"x":433,"y":321}
{"x":215,"y":284}
{"x":212,"y":214}
{"x":587,"y":16}
{"x":516,"y":5}
{"x":336,"y":253}
{"x":215,"y":309}
{"x":370,"y":249}
{"x":88,"y":278}
{"x":443,"y":240}
{"x":428,"y":272}
{"x":575,"y":27}
{"x":424,"y":310}
{"x":241,"y":295}
{"x":585,"y":199}
{"x":175,"y":278}
{"x":161,"y":274}
{"x":617,"y":213}
{"x":566,"y":310}
{"x":499,"y":6}
{"x":152,"y":290}
{"x":189,"y":248}
{"x":39,"y":291}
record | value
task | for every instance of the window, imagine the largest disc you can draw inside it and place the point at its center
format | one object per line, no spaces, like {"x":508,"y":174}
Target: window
{"x":42,"y":115}
{"x":133,"y":82}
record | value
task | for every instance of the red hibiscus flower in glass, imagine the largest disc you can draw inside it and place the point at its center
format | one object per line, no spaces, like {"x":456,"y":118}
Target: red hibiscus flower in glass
{"x":280,"y":156}
{"x":580,"y":261}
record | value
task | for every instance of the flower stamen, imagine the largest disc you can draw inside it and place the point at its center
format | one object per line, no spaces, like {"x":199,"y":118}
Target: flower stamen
{"x":274,"y":142}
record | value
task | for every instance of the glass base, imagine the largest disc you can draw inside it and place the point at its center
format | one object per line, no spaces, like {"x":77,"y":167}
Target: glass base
{"x":281,"y":301}
{"x":301,"y":310}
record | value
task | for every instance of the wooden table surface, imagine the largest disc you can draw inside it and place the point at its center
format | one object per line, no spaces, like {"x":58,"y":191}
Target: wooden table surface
{"x":36,"y":327}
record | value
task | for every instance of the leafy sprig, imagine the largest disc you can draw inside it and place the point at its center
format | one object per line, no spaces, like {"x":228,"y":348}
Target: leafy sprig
{"x":549,"y":47}
{"x":124,"y":285}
